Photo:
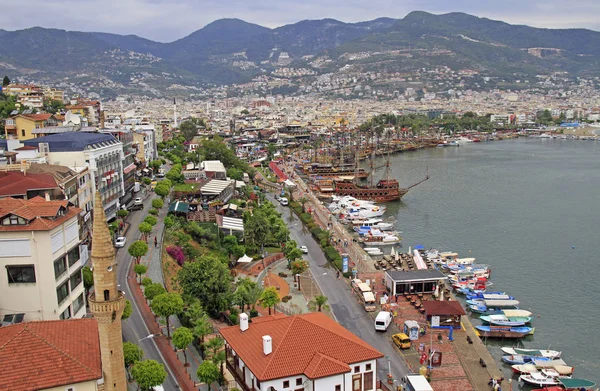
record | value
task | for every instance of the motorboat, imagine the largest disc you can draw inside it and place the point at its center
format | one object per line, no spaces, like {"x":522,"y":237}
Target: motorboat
{"x":504,"y":331}
{"x":375,"y":251}
{"x":373,"y":223}
{"x":493,"y":303}
{"x":511,"y":313}
{"x":532,"y":352}
{"x":489,"y":296}
{"x":558,"y":365}
{"x":568,"y":384}
{"x":503,"y":320}
{"x":545,"y":377}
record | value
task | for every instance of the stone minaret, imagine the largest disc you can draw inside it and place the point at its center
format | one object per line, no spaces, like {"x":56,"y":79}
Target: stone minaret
{"x":107,"y":303}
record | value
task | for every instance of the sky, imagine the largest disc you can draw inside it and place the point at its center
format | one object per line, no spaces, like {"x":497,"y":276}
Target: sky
{"x":169,"y":20}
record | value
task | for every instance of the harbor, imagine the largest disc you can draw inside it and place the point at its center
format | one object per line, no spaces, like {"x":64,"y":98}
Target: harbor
{"x":413,"y":228}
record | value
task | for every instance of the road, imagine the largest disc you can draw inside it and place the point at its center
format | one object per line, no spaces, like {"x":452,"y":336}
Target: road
{"x":134,"y":328}
{"x":344,"y":304}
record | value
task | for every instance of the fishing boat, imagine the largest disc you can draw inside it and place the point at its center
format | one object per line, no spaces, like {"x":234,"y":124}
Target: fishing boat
{"x":373,"y":223}
{"x":558,"y":365}
{"x":532,"y":352}
{"x":510,"y":313}
{"x":490,"y":296}
{"x":545,"y":377}
{"x":504,"y":331}
{"x":494,"y":303}
{"x":375,"y":251}
{"x":503,"y":320}
{"x":380,"y":240}
{"x":568,"y":384}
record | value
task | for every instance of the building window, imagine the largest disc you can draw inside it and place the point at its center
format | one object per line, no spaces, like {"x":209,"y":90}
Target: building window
{"x":78,"y":304}
{"x":286,"y":384}
{"x":66,"y":314}
{"x":299,"y":381}
{"x":368,"y":367}
{"x":76,"y":279}
{"x":23,"y":132}
{"x":60,"y":267}
{"x":20,"y":274}
{"x":62,"y":292}
{"x":357,"y":369}
{"x":14,"y":220}
{"x":338,"y":387}
{"x":368,"y":381}
{"x":73,"y":255}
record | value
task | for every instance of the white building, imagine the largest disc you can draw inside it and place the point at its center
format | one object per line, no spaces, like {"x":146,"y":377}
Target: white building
{"x":102,"y":153}
{"x":310,"y":352}
{"x":41,"y":259}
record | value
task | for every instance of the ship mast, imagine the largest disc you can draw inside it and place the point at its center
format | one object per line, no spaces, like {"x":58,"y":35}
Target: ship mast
{"x":372,"y":170}
{"x":356,"y":159}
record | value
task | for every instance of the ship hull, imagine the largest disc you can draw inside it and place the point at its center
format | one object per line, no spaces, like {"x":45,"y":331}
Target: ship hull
{"x":386,"y":192}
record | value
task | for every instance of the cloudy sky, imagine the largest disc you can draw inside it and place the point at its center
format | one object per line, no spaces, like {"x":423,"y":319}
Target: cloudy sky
{"x":168,"y":20}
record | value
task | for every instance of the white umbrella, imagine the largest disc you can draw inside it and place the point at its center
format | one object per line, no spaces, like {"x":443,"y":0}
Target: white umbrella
{"x":393,"y":253}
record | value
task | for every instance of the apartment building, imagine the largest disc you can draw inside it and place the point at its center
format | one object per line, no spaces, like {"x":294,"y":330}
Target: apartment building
{"x":101,"y":153}
{"x":21,"y":126}
{"x":41,"y":258}
{"x":308,"y":352}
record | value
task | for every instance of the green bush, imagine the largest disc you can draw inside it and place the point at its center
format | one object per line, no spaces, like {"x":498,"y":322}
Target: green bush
{"x":332,"y":254}
{"x":253,"y":313}
{"x":153,"y":212}
{"x":233,"y":318}
{"x":306,"y":218}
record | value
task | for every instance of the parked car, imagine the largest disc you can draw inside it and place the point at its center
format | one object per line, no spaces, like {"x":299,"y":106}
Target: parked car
{"x":304,"y":249}
{"x":138,"y":200}
{"x":283,"y":201}
{"x":401,"y":340}
{"x":120,"y":242}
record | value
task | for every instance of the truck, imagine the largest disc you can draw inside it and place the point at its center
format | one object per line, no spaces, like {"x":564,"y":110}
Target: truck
{"x":136,"y":187}
{"x":364,"y":293}
{"x":383,"y":320}
{"x":417,"y":383}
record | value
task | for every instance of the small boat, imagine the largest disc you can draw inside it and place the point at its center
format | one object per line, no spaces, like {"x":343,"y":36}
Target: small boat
{"x":568,"y":384}
{"x":546,"y":377}
{"x":503,"y":320}
{"x":532,"y":352}
{"x":504,"y":331}
{"x":557,"y":365}
{"x":511,"y":313}
{"x":377,"y":251}
{"x":490,"y":296}
{"x":495,"y":303}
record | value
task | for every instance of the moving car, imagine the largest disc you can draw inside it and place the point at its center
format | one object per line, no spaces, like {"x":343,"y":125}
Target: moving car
{"x":120,"y":242}
{"x":304,"y":249}
{"x":401,"y":340}
{"x":283,"y":201}
{"x":383,"y":320}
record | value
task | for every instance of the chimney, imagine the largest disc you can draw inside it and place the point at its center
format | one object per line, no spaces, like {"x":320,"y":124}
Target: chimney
{"x":267,"y":344}
{"x":243,"y":322}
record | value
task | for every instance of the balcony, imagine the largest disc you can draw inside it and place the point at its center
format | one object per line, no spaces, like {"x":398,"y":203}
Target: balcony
{"x":238,"y":375}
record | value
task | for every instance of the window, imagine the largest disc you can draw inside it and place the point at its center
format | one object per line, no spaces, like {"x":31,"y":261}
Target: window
{"x":368,"y":381}
{"x":14,"y":220}
{"x":73,"y":255}
{"x":286,"y":384}
{"x":60,"y":266}
{"x":20,"y":274}
{"x":62,"y":292}
{"x":338,"y":387}
{"x":75,"y":279}
{"x":23,"y":132}
{"x":299,"y":381}
{"x":78,"y":304}
{"x":66,"y":314}
{"x":357,"y":369}
{"x":368,"y":367}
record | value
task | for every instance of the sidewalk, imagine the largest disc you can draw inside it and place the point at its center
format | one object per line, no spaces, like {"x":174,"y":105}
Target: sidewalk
{"x":186,"y":376}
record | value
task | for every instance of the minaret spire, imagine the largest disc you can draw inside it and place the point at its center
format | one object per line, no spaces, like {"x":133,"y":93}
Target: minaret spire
{"x":107,"y":302}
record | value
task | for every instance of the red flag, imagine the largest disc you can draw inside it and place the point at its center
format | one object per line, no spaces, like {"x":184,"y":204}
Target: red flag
{"x":423,"y":358}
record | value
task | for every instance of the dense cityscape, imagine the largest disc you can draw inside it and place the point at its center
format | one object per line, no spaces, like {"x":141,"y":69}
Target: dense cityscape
{"x":161,"y":232}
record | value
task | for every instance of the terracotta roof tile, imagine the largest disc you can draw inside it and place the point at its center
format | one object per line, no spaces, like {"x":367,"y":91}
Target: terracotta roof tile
{"x":42,"y":214}
{"x":40,"y":355}
{"x":435,"y":307}
{"x":15,"y":183}
{"x":37,"y":117}
{"x":296,"y":342}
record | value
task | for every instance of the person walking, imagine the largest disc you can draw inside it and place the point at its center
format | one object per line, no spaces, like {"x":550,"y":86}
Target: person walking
{"x":155,"y":242}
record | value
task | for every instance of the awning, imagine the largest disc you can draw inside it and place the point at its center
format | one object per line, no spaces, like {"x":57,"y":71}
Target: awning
{"x":145,"y":170}
{"x":179,"y":207}
{"x":129,"y":168}
{"x":244,"y":259}
{"x":233,"y":223}
{"x":289,"y":183}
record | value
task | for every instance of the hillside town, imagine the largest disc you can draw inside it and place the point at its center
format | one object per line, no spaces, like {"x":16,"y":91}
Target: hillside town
{"x":189,"y":244}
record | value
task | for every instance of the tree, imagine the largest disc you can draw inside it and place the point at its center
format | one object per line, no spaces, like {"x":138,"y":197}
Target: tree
{"x":132,"y":354}
{"x":293,"y":254}
{"x":122,"y":213}
{"x":235,"y":173}
{"x":127,"y":310}
{"x":151,"y":220}
{"x":188,"y":129}
{"x":148,"y":374}
{"x":5,"y":81}
{"x":145,"y":229}
{"x":252,"y":293}
{"x":52,"y":106}
{"x":155,"y":164}
{"x":256,"y":230}
{"x":88,"y":279}
{"x":299,"y":267}
{"x":147,"y":181}
{"x":162,"y":190}
{"x":202,"y":328}
{"x":157,"y":203}
{"x":320,"y":302}
{"x":214,"y":346}
{"x":182,"y":337}
{"x":208,"y":372}
{"x":166,"y":305}
{"x":269,"y":298}
{"x":146,"y":281}
{"x":138,"y":249}
{"x":154,"y":290}
{"x":140,"y":269}
{"x":209,"y":280}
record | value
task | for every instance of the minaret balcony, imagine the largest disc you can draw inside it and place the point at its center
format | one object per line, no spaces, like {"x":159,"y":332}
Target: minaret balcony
{"x":106,"y":307}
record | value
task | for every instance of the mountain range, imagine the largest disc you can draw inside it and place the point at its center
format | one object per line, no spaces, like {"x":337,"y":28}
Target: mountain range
{"x":233,"y":51}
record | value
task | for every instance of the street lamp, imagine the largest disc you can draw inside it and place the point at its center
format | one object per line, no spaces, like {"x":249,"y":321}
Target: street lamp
{"x":148,"y":337}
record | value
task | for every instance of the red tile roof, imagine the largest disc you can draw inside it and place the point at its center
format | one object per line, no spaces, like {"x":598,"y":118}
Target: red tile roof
{"x":42,"y":214}
{"x":14,"y":183}
{"x":40,"y":355}
{"x":310,"y":344}
{"x":435,"y":307}
{"x":37,"y":117}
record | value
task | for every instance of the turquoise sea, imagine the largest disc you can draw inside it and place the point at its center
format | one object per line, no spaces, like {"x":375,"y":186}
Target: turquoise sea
{"x":530,"y":208}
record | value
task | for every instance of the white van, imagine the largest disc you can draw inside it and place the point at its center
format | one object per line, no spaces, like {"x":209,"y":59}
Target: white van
{"x":383,"y":320}
{"x":417,"y":383}
{"x":283,"y":201}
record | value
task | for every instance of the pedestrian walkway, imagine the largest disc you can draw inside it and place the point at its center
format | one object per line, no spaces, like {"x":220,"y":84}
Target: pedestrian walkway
{"x":186,"y":376}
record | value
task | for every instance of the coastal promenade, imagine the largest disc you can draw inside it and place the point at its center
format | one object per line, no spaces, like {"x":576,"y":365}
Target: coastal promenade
{"x":464,"y":356}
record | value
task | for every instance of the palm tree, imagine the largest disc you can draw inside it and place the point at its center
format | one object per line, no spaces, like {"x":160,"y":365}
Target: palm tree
{"x":320,"y":302}
{"x":252,"y":294}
